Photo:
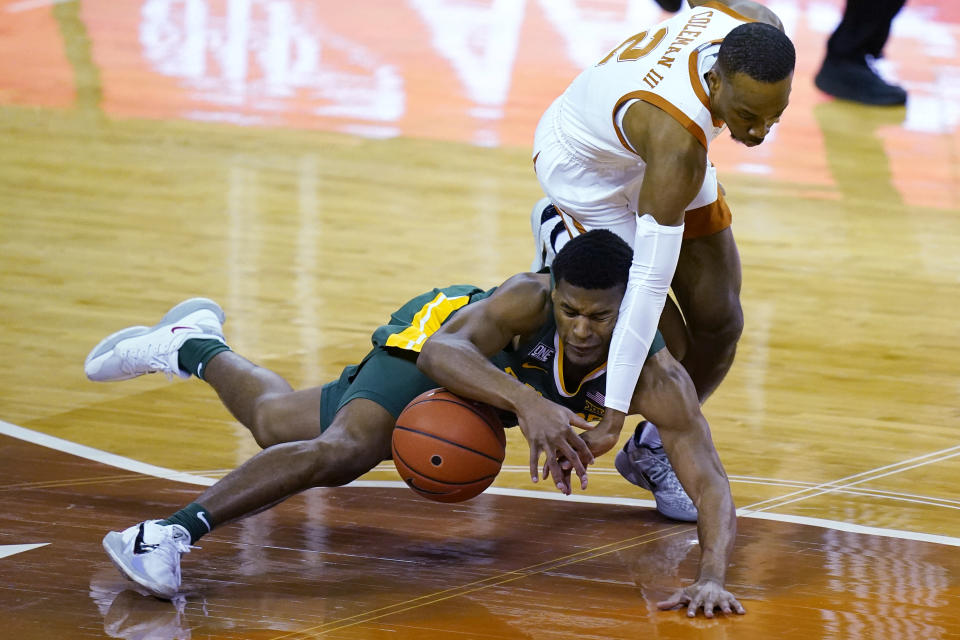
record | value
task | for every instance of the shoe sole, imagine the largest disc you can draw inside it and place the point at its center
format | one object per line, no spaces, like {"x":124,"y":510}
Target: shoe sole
{"x":181,"y":310}
{"x":115,"y":557}
{"x":535,"y":215}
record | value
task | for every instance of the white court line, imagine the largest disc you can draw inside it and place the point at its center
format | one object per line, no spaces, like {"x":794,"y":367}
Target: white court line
{"x":89,"y":453}
{"x":868,"y":479}
{"x":13,"y":549}
{"x":26,"y":5}
{"x":899,"y":496}
{"x":871,"y":474}
{"x":779,"y":482}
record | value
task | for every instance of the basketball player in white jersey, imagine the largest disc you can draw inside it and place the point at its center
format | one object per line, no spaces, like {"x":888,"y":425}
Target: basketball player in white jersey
{"x":625,"y":148}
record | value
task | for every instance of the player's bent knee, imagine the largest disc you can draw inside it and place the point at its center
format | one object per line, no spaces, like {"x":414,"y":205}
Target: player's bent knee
{"x":722,"y":329}
{"x":732,"y":329}
{"x":267,"y":422}
{"x":340,"y":460}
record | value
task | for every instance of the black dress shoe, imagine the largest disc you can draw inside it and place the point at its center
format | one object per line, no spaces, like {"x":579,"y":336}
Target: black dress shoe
{"x":857,"y":82}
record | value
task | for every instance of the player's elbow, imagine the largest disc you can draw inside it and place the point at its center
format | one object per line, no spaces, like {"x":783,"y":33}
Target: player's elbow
{"x":428,"y":358}
{"x":435,"y":356}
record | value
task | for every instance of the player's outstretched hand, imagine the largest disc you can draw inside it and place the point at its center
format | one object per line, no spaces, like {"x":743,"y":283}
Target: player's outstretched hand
{"x":548,"y":428}
{"x":703,"y":594}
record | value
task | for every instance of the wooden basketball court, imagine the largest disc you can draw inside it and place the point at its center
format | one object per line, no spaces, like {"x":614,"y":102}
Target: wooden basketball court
{"x":312,"y":165}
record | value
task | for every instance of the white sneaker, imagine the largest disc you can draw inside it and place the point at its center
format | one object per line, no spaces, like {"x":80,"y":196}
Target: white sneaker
{"x":134,"y":351}
{"x":650,"y":469}
{"x":149,"y":554}
{"x":543,"y":221}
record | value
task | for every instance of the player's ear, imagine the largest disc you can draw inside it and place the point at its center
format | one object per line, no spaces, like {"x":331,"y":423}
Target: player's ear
{"x":713,"y":80}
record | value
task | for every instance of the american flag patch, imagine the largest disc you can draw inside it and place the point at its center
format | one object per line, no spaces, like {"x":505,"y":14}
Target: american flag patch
{"x":596,"y":396}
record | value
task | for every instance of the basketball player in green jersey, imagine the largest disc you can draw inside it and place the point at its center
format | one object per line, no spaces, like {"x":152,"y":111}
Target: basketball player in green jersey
{"x":535,"y":347}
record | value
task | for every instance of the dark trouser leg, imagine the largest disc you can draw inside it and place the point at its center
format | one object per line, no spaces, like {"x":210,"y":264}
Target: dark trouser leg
{"x":863,"y":30}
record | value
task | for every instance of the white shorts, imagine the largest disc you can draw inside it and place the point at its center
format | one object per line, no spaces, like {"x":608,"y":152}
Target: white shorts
{"x":603,"y":195}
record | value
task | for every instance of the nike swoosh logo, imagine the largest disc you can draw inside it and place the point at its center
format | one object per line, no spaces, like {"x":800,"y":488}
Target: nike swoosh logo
{"x":526,"y":365}
{"x":179,"y":327}
{"x":138,"y":542}
{"x":139,"y":547}
{"x":203,"y":519}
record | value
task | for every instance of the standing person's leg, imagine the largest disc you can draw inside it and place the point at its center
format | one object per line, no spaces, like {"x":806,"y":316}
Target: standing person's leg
{"x":862,"y":32}
{"x":887,"y":10}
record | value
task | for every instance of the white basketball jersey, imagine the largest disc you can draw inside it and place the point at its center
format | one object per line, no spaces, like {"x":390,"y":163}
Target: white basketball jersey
{"x":664,"y":66}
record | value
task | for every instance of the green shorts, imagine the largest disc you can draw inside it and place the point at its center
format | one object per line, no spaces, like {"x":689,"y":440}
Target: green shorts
{"x":390,"y":380}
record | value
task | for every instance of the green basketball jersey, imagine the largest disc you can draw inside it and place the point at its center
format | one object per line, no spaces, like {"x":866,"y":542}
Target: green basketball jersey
{"x":537,"y":362}
{"x":417,"y":320}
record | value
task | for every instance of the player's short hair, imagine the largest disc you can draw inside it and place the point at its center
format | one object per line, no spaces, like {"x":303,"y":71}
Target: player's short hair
{"x":759,"y":50}
{"x":597,"y":259}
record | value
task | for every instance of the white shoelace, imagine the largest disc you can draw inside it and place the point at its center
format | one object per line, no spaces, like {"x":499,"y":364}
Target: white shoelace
{"x":171,"y":552}
{"x":153,"y":354}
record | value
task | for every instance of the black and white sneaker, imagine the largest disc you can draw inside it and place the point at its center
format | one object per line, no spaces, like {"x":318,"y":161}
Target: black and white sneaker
{"x":149,"y":554}
{"x":546,"y":225}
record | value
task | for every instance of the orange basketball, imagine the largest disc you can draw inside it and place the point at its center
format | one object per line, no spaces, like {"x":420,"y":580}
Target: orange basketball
{"x":447,"y":448}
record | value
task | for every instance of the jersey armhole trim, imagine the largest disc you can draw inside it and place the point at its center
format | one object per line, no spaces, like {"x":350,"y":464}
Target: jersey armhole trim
{"x":665,"y":106}
{"x":697,"y":84}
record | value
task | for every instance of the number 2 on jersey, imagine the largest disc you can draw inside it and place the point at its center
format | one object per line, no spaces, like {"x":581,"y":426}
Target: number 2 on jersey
{"x":633,"y":47}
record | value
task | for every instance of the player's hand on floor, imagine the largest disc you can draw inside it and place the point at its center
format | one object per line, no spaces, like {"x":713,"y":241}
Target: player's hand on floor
{"x":703,"y":594}
{"x":548,"y":428}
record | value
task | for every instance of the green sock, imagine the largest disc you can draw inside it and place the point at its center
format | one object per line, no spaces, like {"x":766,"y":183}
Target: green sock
{"x":194,"y":518}
{"x":197,"y":352}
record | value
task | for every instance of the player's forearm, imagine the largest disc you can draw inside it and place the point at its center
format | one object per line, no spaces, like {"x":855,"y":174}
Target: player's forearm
{"x":464,"y":370}
{"x":717,"y":529}
{"x":656,"y":250}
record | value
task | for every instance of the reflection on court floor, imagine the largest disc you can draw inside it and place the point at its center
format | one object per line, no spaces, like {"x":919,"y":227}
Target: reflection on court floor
{"x":327,"y":564}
